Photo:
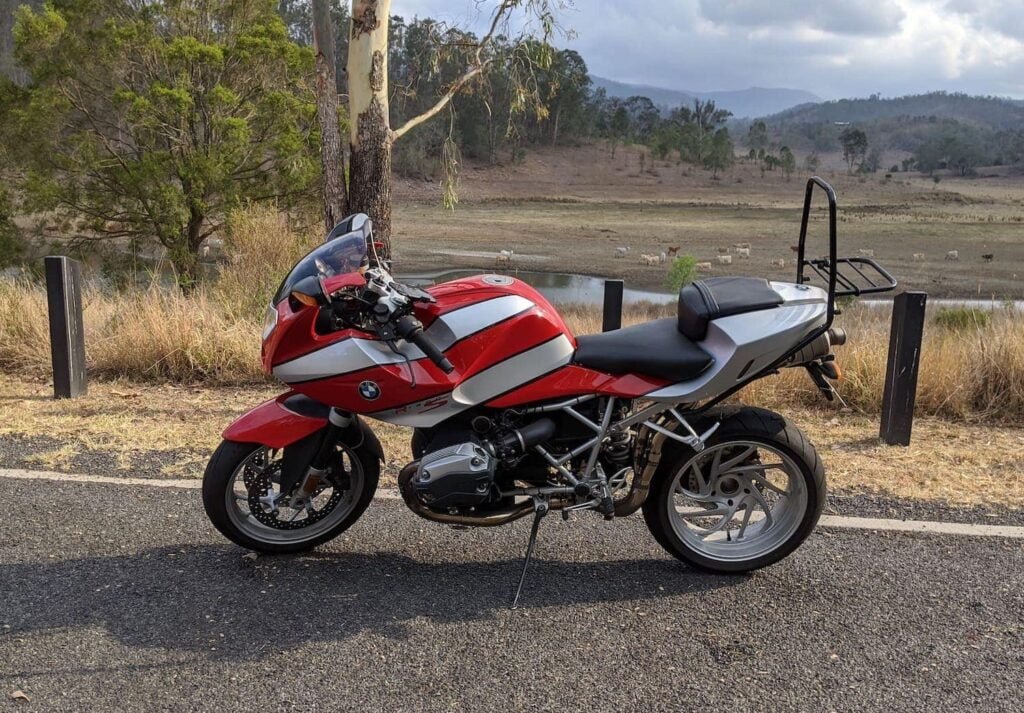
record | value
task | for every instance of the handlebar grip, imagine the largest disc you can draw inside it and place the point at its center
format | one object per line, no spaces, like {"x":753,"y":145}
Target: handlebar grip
{"x":412,"y":330}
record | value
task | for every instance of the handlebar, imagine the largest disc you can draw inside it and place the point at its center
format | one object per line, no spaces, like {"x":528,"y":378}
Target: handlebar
{"x":411,"y":329}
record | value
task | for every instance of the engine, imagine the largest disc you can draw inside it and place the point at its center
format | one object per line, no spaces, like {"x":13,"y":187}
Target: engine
{"x":464,"y":475}
{"x":455,"y":477}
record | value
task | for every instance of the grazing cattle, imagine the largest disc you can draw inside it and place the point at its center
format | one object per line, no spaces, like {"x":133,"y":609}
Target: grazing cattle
{"x":741,"y":245}
{"x":672,"y":250}
{"x":795,"y":248}
{"x":953,"y":255}
{"x":867,"y":253}
{"x":723,"y":251}
{"x":703,"y":267}
{"x":988,"y":257}
{"x":663,"y":257}
{"x":725,"y":259}
{"x":504,"y":258}
{"x":743,"y":252}
{"x":646,"y":259}
{"x":779,"y":262}
{"x":917,"y":257}
{"x":621,"y":252}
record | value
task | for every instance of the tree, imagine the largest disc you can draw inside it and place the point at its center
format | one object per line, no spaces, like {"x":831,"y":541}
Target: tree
{"x":151,"y":120}
{"x":855,"y":146}
{"x":757,"y":136}
{"x":787,"y":162}
{"x":720,"y":156}
{"x":332,"y":159}
{"x":371,"y":137}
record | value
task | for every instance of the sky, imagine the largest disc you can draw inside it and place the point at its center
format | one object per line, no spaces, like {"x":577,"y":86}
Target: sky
{"x":834,"y":48}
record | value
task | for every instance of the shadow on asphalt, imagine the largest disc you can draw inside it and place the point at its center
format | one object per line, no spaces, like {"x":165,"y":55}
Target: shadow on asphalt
{"x":186,"y":599}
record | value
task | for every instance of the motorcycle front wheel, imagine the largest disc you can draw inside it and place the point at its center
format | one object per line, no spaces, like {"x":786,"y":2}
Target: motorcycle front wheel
{"x":242,"y":498}
{"x":748,"y":499}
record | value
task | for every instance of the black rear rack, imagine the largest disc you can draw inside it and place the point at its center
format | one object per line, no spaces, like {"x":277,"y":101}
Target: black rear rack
{"x":863,"y":276}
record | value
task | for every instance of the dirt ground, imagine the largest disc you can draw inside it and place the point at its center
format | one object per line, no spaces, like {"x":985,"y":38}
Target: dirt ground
{"x":959,"y":463}
{"x":569,"y":209}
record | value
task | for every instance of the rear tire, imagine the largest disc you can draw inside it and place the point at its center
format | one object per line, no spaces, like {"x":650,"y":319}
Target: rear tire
{"x":218,"y":489}
{"x":687,"y":482}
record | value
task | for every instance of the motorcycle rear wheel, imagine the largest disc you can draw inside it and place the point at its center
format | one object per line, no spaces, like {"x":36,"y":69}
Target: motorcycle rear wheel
{"x":748,"y":500}
{"x":228,"y":505}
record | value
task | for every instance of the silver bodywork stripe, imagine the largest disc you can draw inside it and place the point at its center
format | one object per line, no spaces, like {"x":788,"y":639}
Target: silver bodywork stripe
{"x":357,"y":354}
{"x":484,"y":386}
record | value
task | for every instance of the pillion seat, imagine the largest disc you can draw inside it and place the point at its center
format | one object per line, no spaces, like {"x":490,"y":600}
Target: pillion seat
{"x":653,"y":348}
{"x":704,"y":300}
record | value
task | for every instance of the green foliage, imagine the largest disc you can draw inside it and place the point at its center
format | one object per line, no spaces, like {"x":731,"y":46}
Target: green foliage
{"x":960,"y":152}
{"x":10,"y":248}
{"x":681,"y":272}
{"x":855,"y":146}
{"x":962,"y":318}
{"x":787,"y":162}
{"x":150,"y":121}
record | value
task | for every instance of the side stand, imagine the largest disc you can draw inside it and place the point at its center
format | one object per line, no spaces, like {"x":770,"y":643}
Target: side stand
{"x":540,"y":509}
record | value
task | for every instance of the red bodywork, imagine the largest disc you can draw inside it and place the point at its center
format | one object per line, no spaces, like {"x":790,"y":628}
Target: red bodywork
{"x":294,"y":339}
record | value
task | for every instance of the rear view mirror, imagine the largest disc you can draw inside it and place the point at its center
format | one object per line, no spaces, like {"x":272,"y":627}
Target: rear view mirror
{"x":359,"y":223}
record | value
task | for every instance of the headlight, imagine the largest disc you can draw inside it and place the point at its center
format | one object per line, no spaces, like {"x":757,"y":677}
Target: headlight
{"x":269,"y":321}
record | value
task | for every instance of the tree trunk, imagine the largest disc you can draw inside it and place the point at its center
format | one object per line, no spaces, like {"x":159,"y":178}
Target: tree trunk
{"x":371,"y":137}
{"x":554,"y":130}
{"x":331,"y":156}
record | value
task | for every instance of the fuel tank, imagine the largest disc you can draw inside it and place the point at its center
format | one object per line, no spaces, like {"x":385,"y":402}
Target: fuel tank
{"x":497,"y":331}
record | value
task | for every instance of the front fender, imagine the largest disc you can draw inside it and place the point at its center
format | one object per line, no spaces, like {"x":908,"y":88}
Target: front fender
{"x":274,"y":425}
{"x":290,"y":417}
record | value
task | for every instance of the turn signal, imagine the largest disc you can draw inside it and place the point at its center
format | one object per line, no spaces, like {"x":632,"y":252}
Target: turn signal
{"x":307,"y":300}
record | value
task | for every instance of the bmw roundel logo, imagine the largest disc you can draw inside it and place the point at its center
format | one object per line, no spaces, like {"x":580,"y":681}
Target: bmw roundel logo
{"x":369,"y":390}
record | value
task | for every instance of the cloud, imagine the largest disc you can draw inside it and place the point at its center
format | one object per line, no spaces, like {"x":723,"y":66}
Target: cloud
{"x":832,"y":48}
{"x":1000,"y":16}
{"x":842,"y":17}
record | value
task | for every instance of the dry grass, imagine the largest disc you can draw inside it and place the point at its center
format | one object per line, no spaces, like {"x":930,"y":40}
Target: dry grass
{"x":961,"y":463}
{"x":161,"y":335}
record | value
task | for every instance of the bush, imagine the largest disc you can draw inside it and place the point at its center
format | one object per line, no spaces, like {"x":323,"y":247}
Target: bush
{"x":260,"y":248}
{"x":962,"y":318}
{"x":682,"y":272}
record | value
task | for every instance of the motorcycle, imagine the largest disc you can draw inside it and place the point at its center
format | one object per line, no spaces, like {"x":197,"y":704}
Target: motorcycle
{"x":512,"y":415}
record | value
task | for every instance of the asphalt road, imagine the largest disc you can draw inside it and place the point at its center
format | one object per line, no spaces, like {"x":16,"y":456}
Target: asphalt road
{"x":124,"y":598}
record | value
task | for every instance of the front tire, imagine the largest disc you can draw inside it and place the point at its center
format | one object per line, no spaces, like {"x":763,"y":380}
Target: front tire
{"x":234,"y":508}
{"x":749,"y":499}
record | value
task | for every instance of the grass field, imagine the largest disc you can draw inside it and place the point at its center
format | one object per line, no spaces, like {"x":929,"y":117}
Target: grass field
{"x":567,"y":210}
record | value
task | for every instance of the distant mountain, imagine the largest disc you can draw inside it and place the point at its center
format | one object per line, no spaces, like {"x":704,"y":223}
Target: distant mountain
{"x":756,"y":101}
{"x":986,"y":112}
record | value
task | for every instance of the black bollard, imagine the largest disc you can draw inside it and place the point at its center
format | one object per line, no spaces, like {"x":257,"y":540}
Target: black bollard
{"x":67,"y":334}
{"x":901,"y":369}
{"x":612,"y":318}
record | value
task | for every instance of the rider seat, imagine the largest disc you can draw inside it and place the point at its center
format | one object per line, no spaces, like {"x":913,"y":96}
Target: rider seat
{"x":653,"y":348}
{"x":704,"y":300}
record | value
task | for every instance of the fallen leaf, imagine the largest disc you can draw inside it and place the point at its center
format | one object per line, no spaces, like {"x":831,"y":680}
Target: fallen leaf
{"x":19,"y":695}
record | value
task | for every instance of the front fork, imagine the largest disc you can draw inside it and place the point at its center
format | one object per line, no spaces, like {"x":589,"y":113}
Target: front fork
{"x":310,"y":471}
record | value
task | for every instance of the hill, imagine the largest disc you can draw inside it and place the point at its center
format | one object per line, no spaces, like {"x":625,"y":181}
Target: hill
{"x":986,"y":112}
{"x":755,"y":101}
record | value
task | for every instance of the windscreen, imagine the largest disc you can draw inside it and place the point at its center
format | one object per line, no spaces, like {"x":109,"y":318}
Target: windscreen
{"x":341,"y":255}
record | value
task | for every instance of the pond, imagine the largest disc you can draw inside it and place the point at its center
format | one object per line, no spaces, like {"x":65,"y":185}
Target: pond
{"x":558,"y":287}
{"x":563,"y":287}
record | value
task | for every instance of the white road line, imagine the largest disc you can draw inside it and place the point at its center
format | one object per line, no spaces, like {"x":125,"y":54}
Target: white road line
{"x":831,"y":521}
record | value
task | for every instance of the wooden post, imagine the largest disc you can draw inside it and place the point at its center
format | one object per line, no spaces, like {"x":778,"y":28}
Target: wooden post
{"x":67,"y":334}
{"x":901,"y":369}
{"x":612,"y":318}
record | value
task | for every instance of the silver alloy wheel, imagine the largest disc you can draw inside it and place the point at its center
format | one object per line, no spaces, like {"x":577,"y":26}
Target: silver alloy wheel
{"x":737,"y":500}
{"x":239,"y":505}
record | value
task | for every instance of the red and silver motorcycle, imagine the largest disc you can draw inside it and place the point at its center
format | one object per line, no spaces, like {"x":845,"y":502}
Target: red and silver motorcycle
{"x":513,"y":415}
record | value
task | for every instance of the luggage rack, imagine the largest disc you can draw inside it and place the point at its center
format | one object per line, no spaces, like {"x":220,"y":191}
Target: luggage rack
{"x":863,"y":276}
